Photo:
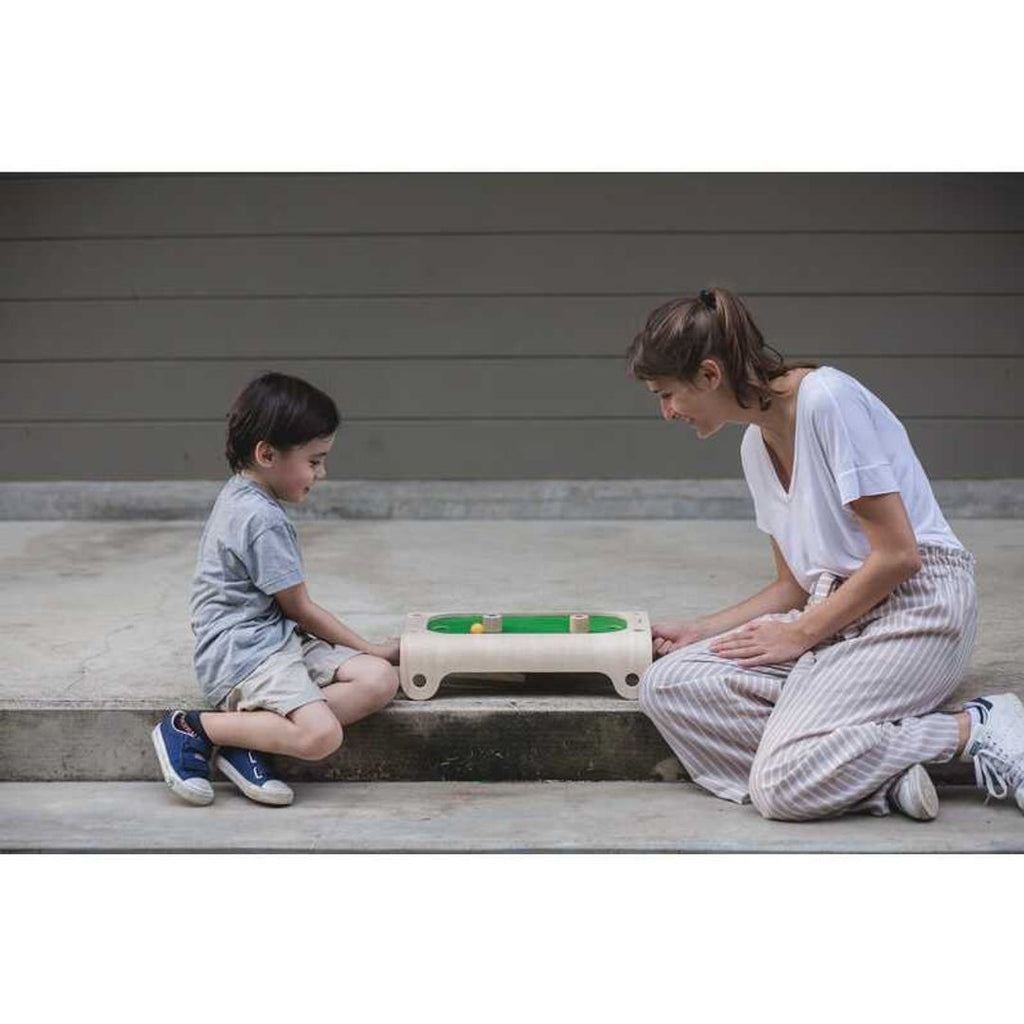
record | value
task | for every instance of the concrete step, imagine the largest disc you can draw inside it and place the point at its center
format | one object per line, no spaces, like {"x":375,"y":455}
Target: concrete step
{"x":496,"y":738}
{"x":529,"y":737}
{"x":96,"y":643}
{"x":473,"y":817}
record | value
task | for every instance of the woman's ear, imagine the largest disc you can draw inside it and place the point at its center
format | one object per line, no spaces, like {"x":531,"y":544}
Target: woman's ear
{"x":709,"y":374}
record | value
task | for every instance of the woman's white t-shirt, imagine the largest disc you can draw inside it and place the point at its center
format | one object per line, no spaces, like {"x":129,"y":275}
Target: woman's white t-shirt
{"x":848,"y":444}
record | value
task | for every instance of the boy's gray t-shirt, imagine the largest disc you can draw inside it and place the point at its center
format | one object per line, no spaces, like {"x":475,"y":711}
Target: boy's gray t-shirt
{"x":248,"y":552}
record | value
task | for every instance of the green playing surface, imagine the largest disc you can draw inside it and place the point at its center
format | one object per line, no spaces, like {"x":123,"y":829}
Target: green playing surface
{"x":525,"y":623}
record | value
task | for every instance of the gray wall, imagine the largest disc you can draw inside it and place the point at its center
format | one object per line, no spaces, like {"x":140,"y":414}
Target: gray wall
{"x":472,"y":326}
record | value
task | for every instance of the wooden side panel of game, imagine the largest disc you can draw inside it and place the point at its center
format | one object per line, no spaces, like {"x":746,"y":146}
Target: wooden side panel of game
{"x":437,"y":644}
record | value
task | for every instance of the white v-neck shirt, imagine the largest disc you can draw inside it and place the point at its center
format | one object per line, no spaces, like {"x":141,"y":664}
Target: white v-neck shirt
{"x":848,"y":444}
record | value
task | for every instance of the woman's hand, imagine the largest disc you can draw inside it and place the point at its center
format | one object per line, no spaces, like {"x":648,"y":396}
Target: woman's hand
{"x":761,"y":642}
{"x":670,"y":636}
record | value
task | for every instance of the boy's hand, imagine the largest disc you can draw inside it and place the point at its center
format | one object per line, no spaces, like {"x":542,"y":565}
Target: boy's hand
{"x":387,"y":649}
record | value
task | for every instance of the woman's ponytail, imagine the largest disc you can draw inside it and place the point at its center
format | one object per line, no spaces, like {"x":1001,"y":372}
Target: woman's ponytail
{"x":681,"y":334}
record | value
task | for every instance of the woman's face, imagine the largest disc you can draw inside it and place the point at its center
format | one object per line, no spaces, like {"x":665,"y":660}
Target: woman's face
{"x":702,"y":403}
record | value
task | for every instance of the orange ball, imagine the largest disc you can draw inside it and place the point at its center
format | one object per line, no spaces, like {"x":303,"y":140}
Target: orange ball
{"x":477,"y":627}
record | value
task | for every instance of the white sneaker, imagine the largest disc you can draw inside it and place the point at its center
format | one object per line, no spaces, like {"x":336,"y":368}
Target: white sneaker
{"x":996,"y":744}
{"x":914,"y":794}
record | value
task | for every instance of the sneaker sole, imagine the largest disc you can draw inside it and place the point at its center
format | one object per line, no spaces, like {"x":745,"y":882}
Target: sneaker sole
{"x":257,"y":793}
{"x":922,"y":802}
{"x":176,"y":783}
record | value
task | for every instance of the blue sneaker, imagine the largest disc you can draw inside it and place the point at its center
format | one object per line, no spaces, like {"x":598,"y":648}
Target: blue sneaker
{"x":184,"y":759}
{"x":253,"y":773}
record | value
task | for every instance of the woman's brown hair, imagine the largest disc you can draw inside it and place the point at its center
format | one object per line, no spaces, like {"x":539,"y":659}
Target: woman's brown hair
{"x":681,"y":334}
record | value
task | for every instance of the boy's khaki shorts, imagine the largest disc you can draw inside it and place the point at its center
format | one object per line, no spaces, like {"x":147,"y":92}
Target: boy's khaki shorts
{"x":289,"y":678}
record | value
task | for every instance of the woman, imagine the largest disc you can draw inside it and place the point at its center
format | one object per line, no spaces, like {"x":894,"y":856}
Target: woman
{"x":817,"y":695}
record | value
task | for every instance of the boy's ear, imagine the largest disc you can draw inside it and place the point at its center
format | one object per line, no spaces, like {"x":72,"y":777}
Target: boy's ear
{"x":264,"y":453}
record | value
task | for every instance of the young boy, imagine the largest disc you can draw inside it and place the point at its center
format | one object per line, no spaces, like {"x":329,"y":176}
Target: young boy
{"x":284,"y":674}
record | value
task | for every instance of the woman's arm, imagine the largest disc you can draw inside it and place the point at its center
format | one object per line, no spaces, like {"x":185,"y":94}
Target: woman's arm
{"x":893,"y":559}
{"x":783,"y":595}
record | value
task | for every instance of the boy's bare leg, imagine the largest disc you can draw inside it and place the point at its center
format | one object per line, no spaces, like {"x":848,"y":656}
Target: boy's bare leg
{"x":310,"y":732}
{"x":364,"y":684}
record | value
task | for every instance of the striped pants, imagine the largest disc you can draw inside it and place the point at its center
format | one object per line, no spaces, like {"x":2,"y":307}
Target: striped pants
{"x":831,"y":731}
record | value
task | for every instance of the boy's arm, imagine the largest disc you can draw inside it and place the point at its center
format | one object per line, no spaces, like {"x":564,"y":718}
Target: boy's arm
{"x":296,"y":603}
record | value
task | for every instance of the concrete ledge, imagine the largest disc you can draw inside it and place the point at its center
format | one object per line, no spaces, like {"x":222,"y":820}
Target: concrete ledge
{"x":97,"y":646}
{"x":467,"y":817}
{"x":595,"y":738}
{"x":458,"y":499}
{"x":455,"y":739}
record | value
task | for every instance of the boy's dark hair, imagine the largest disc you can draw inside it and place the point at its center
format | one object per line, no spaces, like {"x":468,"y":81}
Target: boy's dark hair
{"x":681,"y":334}
{"x":285,"y":411}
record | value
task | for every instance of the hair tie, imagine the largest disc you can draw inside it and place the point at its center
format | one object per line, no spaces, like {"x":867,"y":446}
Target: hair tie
{"x":707,"y":299}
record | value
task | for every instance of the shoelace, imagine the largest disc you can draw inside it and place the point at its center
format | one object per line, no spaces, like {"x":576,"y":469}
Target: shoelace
{"x":996,"y":771}
{"x":989,"y":776}
{"x":258,"y":765}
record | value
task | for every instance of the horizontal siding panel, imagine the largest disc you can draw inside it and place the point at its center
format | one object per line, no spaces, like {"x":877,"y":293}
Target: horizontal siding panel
{"x":473,"y":326}
{"x":258,"y":328}
{"x":476,"y":450}
{"x":229,"y":204}
{"x":466,"y":388}
{"x":513,"y":264}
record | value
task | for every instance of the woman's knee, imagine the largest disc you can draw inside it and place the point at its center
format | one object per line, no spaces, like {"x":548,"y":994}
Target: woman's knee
{"x":676,"y":683}
{"x":780,"y":795}
{"x":652,"y":688}
{"x":766,"y":797}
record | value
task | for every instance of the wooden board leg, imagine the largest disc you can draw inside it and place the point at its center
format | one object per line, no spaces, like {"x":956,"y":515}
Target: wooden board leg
{"x":627,"y":686}
{"x":421,"y":687}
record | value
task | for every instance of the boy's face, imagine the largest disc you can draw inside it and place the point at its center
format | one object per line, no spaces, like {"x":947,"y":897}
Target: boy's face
{"x":290,"y":475}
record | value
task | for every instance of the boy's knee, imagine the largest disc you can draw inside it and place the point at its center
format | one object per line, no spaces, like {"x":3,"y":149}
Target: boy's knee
{"x":378,"y":679}
{"x":385,"y":682}
{"x":318,"y":739}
